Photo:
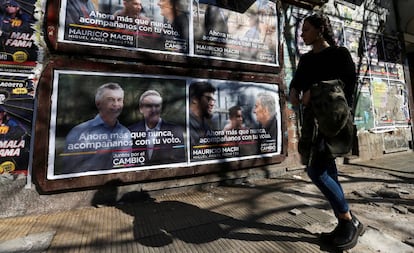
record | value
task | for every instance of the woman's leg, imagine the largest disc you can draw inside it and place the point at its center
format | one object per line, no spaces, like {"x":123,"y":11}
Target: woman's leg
{"x":325,"y":176}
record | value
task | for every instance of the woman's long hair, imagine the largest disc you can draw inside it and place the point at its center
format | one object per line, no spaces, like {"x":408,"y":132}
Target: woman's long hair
{"x":322,"y":22}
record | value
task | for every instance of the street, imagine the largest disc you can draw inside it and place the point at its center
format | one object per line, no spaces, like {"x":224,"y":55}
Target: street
{"x":283,"y":214}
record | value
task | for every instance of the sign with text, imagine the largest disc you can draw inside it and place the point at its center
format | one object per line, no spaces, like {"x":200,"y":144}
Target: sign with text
{"x":244,"y":122}
{"x":16,"y":115}
{"x":150,"y":27}
{"x":131,"y":122}
{"x":18,"y":51}
{"x":223,"y":34}
{"x":177,"y":27}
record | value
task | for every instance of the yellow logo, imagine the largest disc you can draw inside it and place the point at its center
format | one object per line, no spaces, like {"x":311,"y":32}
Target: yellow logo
{"x":4,"y":129}
{"x":20,"y":91}
{"x":16,"y":22}
{"x":7,"y":167}
{"x":20,"y":56}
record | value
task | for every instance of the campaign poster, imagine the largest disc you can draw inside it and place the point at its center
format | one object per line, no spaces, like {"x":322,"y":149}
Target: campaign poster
{"x":161,"y":25}
{"x":338,"y":30}
{"x":363,"y":69}
{"x":224,"y":34}
{"x":397,"y":103}
{"x":378,"y":70}
{"x":364,"y":118}
{"x":395,"y":71}
{"x":371,"y":48}
{"x":18,"y":52}
{"x":352,"y":41}
{"x":108,"y":123}
{"x":233,"y":120}
{"x":392,"y":50}
{"x":296,"y":21}
{"x":16,"y":116}
{"x":380,"y":89}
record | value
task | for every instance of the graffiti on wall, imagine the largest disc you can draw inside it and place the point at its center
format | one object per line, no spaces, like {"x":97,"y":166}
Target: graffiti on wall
{"x":381,"y":97}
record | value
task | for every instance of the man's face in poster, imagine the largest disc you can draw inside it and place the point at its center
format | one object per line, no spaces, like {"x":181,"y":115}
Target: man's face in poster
{"x":151,"y":109}
{"x":260,"y":112}
{"x":111,"y":103}
{"x":237,"y":120}
{"x":134,"y":6}
{"x":2,"y":98}
{"x":207,"y":102}
{"x":167,"y":9}
{"x":12,"y":8}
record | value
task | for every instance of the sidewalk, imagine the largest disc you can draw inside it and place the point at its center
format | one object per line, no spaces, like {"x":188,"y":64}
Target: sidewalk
{"x":272,"y":215}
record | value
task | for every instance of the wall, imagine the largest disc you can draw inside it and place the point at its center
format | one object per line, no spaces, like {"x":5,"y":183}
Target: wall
{"x":383,"y":96}
{"x":380,"y":75}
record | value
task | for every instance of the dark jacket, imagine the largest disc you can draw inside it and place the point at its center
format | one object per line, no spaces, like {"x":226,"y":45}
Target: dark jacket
{"x":329,"y":64}
{"x":333,"y":115}
{"x":165,"y":152}
{"x":332,"y":63}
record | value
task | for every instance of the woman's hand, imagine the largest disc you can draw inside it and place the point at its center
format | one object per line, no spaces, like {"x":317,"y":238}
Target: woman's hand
{"x":306,"y":98}
{"x":295,"y":100}
{"x":294,"y":97}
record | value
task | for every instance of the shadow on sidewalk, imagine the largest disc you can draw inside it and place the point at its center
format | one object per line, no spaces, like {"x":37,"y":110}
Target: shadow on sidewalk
{"x":157,"y":224}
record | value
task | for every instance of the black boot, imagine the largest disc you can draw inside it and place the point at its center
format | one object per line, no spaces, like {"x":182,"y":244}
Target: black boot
{"x":346,"y":237}
{"x":328,"y":237}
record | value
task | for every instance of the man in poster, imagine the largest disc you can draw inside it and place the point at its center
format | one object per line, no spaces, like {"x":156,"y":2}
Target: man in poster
{"x":236,"y":127}
{"x":13,"y":148}
{"x":156,"y":140}
{"x":175,"y":12}
{"x":16,"y":114}
{"x":216,"y":20}
{"x":16,"y":35}
{"x":265,"y":110}
{"x":164,"y":27}
{"x":224,"y":33}
{"x":235,"y":119}
{"x":13,"y":18}
{"x":202,"y":103}
{"x":133,"y":9}
{"x":76,"y":9}
{"x":101,"y":143}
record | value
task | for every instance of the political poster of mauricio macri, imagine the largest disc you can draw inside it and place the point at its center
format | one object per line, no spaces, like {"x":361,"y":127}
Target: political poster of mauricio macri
{"x":130,"y":122}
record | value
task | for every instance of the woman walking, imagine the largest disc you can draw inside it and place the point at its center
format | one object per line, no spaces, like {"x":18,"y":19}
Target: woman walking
{"x":326,"y":61}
